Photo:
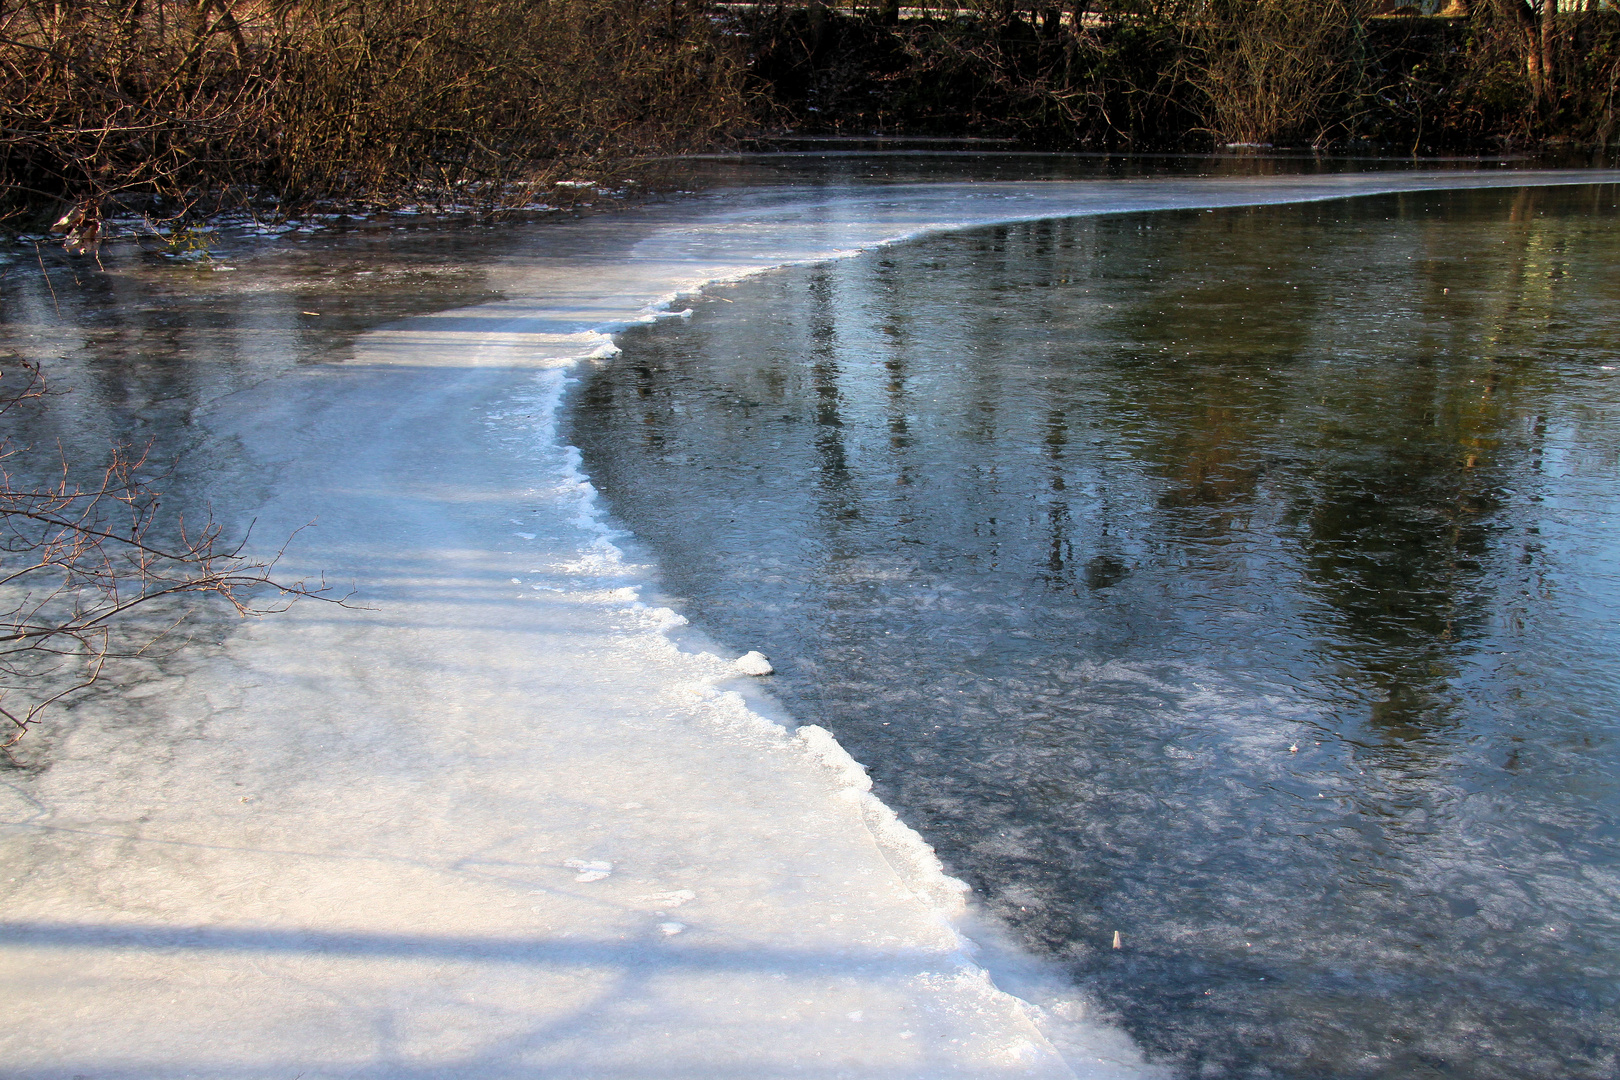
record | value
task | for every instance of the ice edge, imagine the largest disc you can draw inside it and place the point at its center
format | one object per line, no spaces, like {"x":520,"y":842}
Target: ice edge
{"x":1050,"y":1001}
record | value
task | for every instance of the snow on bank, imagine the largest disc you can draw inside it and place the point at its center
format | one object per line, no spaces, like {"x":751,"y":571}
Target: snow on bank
{"x":492,"y":821}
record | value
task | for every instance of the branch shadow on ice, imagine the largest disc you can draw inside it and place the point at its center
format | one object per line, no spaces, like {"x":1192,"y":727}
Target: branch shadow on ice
{"x":577,"y":1040}
{"x":630,"y":954}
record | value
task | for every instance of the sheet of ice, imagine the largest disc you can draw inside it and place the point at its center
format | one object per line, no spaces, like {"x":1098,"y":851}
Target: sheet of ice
{"x":489,"y":820}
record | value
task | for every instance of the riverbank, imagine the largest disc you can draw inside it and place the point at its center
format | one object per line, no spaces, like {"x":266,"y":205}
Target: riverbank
{"x":1333,"y":76}
{"x":492,"y":819}
{"x":179,"y":113}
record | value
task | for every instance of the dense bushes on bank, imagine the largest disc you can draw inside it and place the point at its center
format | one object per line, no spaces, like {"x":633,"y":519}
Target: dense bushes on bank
{"x":1192,"y":73}
{"x":207,"y":100}
{"x":182,"y":106}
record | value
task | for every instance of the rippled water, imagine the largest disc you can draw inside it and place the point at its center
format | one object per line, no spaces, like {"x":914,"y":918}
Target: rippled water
{"x":1241,"y":581}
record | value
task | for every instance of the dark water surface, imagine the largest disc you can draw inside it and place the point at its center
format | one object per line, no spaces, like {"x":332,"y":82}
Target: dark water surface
{"x":1241,"y":581}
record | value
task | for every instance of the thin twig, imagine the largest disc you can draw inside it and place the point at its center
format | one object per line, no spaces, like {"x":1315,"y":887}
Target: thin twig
{"x":46,"y":275}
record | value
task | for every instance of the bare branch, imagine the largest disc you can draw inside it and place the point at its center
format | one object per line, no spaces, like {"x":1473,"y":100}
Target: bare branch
{"x":77,"y":560}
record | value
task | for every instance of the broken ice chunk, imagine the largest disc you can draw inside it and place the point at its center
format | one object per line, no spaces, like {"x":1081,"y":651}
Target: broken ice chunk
{"x":754,"y":663}
{"x":589,"y":871}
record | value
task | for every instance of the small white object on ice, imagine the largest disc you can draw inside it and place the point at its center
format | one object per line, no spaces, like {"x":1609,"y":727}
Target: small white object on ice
{"x":670,"y":929}
{"x":526,"y":536}
{"x":589,"y":871}
{"x":754,"y":663}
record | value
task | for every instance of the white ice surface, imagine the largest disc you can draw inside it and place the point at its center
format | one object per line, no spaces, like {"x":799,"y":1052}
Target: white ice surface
{"x":492,"y":822}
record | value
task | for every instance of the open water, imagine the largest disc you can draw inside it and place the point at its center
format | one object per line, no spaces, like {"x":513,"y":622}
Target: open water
{"x":1239,"y":582}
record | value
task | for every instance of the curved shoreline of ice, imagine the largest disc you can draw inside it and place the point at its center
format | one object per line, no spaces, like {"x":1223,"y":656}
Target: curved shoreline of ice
{"x":491,"y":821}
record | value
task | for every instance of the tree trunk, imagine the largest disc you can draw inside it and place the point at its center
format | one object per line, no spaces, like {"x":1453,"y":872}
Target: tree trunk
{"x":1528,"y":30}
{"x":1549,"y":44}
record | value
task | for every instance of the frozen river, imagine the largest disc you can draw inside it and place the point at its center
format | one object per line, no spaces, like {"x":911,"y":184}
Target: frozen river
{"x":493,"y":818}
{"x":1238,"y":582}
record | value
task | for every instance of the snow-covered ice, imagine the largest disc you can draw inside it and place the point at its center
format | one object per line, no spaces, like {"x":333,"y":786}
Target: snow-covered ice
{"x":445,"y":831}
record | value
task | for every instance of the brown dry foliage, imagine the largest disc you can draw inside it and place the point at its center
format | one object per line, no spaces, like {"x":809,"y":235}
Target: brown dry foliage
{"x":465,"y":100}
{"x":1269,"y":70}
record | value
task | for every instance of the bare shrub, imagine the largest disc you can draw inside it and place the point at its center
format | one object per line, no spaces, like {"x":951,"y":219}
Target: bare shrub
{"x":465,"y":100}
{"x":1066,"y":73}
{"x":77,"y":559}
{"x":1269,"y":70}
{"x":1106,"y":71}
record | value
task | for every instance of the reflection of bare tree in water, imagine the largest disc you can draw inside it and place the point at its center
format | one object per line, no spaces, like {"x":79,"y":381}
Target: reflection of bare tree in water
{"x":1408,"y":533}
{"x":1204,"y":357}
{"x":1393,"y":482}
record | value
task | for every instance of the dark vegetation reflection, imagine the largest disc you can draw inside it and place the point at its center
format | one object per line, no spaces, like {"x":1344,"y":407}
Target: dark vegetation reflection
{"x":1240,"y":581}
{"x":131,"y":344}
